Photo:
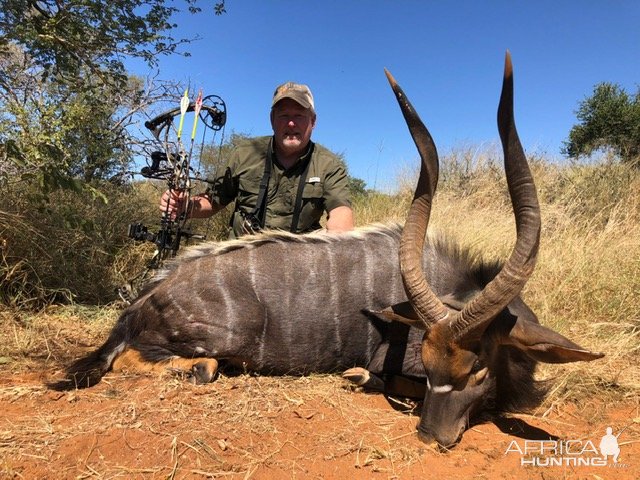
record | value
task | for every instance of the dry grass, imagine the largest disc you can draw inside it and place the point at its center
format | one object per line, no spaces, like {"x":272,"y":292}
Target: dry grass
{"x":75,"y":248}
{"x":52,"y":337}
{"x":586,"y":284}
{"x":68,"y":249}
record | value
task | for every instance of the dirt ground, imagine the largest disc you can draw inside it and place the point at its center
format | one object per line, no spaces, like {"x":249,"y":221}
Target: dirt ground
{"x":246,"y":426}
{"x":277,"y":428}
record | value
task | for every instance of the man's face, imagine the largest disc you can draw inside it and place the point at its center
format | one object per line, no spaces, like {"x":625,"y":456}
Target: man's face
{"x":292,"y":126}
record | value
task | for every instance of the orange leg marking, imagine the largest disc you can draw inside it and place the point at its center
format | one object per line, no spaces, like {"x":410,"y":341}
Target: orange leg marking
{"x":202,"y":369}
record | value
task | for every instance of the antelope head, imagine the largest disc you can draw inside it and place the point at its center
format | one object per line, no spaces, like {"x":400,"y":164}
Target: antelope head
{"x":463,"y":348}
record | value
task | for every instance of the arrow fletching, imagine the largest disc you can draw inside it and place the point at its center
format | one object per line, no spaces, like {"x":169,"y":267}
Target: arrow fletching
{"x":184,"y":104}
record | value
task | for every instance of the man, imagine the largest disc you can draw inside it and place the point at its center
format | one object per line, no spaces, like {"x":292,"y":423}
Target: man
{"x":281,"y":182}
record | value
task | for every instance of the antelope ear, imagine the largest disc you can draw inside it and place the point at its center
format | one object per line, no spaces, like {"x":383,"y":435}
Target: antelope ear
{"x":400,"y":312}
{"x":404,"y":312}
{"x":546,"y":345}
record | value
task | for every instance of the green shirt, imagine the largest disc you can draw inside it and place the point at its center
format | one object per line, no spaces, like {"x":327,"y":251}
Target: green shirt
{"x":325,"y":188}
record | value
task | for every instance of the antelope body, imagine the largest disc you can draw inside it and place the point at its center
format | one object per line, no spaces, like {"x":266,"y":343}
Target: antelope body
{"x":382,"y":303}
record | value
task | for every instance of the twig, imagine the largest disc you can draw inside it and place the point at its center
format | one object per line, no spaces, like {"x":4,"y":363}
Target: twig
{"x":174,"y":454}
{"x":93,"y":446}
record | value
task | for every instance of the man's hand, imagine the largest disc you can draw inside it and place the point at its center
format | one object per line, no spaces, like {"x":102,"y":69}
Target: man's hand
{"x":174,"y":203}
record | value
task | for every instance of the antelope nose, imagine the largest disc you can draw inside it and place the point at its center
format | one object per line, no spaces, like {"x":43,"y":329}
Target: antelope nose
{"x":438,"y":442}
{"x":427,"y":437}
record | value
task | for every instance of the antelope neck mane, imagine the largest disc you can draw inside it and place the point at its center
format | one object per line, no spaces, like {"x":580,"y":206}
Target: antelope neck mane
{"x":272,"y":237}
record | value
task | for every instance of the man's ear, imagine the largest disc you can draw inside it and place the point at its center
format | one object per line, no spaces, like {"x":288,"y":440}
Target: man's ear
{"x":545,"y":345}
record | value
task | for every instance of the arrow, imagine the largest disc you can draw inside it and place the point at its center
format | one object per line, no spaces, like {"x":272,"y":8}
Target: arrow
{"x":184,"y":104}
{"x":196,"y":110}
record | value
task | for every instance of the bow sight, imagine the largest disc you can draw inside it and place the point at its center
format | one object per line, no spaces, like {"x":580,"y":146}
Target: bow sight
{"x":173,"y":164}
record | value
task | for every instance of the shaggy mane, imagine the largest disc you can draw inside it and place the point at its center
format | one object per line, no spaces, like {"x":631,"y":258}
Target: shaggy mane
{"x":464,"y":257}
{"x":194,"y":252}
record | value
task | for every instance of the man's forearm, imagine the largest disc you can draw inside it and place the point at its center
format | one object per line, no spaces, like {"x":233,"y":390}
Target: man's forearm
{"x":201,"y":206}
{"x":340,"y":219}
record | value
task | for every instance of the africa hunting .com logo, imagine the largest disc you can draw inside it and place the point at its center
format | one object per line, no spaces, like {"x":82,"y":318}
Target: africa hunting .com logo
{"x":574,"y":453}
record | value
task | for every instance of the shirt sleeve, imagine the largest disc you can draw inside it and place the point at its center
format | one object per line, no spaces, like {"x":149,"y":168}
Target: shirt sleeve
{"x":225,"y":185}
{"x":336,"y":187}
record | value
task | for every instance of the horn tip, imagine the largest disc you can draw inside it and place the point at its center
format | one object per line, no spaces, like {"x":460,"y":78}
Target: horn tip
{"x":392,"y":81}
{"x":508,"y":66}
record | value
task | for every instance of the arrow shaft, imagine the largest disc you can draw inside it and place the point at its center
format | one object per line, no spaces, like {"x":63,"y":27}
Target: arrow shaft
{"x":196,"y":111}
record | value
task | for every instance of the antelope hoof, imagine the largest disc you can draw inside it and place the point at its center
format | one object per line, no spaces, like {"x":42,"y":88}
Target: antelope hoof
{"x":364,"y":378}
{"x":203,"y":371}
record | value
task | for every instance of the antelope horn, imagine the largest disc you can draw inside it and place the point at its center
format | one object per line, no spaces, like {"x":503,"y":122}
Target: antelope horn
{"x":427,"y":306}
{"x":479,"y":312}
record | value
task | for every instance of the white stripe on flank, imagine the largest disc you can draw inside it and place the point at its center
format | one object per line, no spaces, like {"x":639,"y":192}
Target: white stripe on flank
{"x":263,"y":340}
{"x":228,"y":315}
{"x":368,"y":275}
{"x":252,"y":272}
{"x":334,"y":295}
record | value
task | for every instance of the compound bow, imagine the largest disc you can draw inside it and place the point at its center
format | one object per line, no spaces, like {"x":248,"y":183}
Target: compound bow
{"x":173,"y":164}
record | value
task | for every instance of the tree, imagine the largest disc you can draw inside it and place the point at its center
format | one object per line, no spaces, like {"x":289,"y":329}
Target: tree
{"x":66,"y":101}
{"x":68,"y":118}
{"x":60,"y":137}
{"x":69,"y":37}
{"x":357,"y":187}
{"x":609,"y":118}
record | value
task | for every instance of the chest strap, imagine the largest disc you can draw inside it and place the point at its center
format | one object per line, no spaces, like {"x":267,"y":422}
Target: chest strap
{"x":260,"y":209}
{"x":298,"y":205}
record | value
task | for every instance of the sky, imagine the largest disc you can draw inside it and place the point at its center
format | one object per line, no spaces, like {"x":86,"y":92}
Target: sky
{"x":447,"y":56}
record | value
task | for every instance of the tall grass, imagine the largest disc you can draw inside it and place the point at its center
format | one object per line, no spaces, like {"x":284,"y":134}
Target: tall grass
{"x":72,"y":248}
{"x":76,"y":248}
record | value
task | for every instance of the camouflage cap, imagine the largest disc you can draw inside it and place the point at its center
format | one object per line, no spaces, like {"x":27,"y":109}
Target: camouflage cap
{"x":295,"y":91}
